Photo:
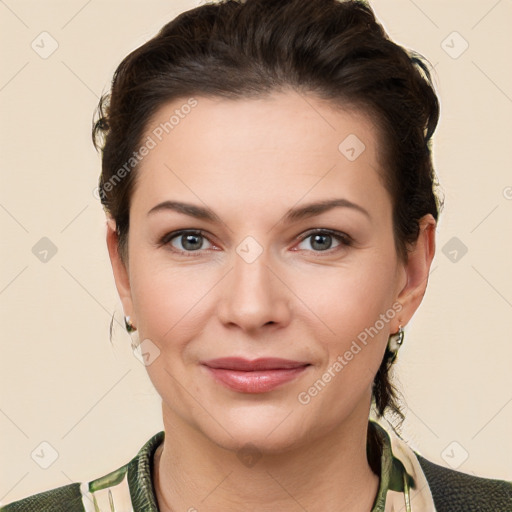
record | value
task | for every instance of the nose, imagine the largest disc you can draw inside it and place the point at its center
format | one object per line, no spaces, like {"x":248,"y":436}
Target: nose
{"x":254,"y":296}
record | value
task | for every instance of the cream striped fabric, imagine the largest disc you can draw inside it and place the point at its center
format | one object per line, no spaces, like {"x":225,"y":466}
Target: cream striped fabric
{"x":418,"y":499}
{"x":115,"y":497}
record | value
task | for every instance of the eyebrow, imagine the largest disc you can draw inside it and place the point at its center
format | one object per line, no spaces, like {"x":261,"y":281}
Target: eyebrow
{"x":192,"y":210}
{"x":312,"y":209}
{"x":293,"y":215}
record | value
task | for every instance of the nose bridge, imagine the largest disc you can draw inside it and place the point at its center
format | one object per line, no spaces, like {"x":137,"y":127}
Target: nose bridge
{"x":254,"y":296}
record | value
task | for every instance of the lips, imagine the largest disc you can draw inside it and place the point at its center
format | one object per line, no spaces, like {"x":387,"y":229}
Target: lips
{"x":254,"y":376}
{"x":240,"y":364}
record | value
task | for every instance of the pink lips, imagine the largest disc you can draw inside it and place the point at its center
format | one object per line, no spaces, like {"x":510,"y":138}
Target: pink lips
{"x":256,"y":376}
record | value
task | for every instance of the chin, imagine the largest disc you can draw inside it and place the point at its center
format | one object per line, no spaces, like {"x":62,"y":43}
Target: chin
{"x":267,"y":429}
{"x":258,"y":441}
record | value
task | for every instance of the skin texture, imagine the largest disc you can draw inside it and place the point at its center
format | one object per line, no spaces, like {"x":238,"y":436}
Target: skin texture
{"x":250,"y":161}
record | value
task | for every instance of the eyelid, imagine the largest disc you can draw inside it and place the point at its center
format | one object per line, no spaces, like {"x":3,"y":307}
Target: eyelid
{"x":343,"y":239}
{"x":166,"y":240}
{"x":332,"y":232}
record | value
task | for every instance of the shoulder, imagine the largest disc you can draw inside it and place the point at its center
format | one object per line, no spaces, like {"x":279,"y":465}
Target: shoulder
{"x":67,"y":498}
{"x":455,"y":491}
{"x":128,"y":487}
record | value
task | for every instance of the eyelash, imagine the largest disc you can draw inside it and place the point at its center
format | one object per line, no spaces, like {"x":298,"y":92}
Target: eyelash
{"x":344,"y":239}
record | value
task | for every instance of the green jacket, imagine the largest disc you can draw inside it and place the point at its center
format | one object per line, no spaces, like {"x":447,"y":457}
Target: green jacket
{"x":414,"y":482}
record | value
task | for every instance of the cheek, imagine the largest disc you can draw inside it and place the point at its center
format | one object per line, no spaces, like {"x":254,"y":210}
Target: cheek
{"x":350,"y":298}
{"x":351,"y":316}
{"x":352,"y":309}
{"x":169,"y":298}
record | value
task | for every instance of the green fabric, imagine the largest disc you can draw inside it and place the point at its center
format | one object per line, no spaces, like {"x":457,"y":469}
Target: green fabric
{"x":108,"y":480}
{"x":452,"y":491}
{"x":390,"y":474}
{"x":62,"y":499}
{"x":140,"y":476}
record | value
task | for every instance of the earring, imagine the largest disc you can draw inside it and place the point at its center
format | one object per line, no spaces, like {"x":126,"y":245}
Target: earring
{"x":128,"y":324}
{"x":394,"y":343}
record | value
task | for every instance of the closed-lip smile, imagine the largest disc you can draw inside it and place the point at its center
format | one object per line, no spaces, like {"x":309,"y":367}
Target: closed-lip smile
{"x":254,"y":376}
{"x":263,"y":363}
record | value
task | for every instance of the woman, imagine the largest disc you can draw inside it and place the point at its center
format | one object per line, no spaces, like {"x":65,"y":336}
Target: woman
{"x":271,"y":214}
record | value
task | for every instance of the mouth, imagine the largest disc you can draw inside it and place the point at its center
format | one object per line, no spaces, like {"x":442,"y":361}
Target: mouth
{"x":254,"y":376}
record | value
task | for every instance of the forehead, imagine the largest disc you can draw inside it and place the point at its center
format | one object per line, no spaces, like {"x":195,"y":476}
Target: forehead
{"x":285,"y":143}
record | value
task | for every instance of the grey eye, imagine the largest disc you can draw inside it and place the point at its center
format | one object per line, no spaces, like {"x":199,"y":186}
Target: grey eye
{"x":319,"y":241}
{"x":188,"y":241}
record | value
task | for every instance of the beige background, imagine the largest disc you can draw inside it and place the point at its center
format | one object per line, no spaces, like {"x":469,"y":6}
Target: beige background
{"x":62,"y":381}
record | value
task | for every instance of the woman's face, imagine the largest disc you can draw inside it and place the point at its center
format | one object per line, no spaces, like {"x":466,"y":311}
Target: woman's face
{"x":254,"y":281}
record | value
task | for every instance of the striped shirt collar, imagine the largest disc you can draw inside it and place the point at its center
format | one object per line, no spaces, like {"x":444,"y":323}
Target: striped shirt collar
{"x":402,"y":486}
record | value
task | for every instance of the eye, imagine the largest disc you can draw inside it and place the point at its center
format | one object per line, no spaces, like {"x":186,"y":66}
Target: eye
{"x":321,"y":240}
{"x":186,"y":241}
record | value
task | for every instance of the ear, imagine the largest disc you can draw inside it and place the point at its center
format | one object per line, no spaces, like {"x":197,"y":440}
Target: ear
{"x":417,"y":269}
{"x":121,"y":274}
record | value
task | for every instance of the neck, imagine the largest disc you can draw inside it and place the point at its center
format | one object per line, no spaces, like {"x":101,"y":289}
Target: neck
{"x":328,"y":474}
